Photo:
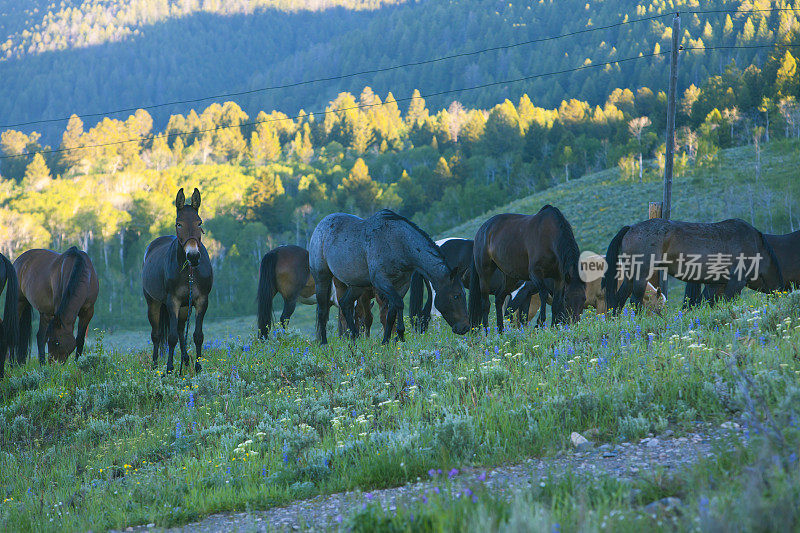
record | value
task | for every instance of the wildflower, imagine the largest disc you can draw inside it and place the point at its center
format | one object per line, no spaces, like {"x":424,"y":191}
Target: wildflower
{"x":453,"y":473}
{"x":191,"y":400}
{"x":432,"y":472}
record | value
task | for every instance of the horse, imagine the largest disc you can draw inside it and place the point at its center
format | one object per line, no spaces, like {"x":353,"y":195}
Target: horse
{"x":526,"y":300}
{"x":177,"y":275}
{"x":711,"y":253}
{"x":381,"y":251}
{"x":9,"y":326}
{"x":527,"y":247}
{"x":787,"y":250}
{"x":285,"y":270}
{"x":63,"y":288}
{"x":458,"y":254}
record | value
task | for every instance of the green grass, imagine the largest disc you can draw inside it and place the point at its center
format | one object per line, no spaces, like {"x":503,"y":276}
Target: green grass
{"x":599,"y":204}
{"x":109,"y":442}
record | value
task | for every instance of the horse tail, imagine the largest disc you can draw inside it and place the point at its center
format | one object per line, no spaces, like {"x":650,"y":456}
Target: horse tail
{"x":10,"y":315}
{"x":416,"y":293}
{"x":426,"y":311}
{"x":609,"y":283}
{"x":774,"y":259}
{"x":475,"y":297}
{"x":267,"y":287}
{"x":69,"y":292}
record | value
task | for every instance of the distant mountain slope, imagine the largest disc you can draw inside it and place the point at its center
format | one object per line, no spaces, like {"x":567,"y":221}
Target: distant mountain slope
{"x":598,"y":205}
{"x":147,"y":54}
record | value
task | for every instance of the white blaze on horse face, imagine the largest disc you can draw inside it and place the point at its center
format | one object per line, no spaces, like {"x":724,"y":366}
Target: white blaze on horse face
{"x":191,"y":247}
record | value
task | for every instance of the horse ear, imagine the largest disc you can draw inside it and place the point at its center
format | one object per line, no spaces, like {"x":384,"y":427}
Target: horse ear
{"x":180,"y":200}
{"x":196,"y":199}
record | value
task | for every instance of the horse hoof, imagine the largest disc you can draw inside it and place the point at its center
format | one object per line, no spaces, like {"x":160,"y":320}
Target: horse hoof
{"x":197,"y":368}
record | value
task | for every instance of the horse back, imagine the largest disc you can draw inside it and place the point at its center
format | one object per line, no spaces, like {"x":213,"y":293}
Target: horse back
{"x":517,"y":242}
{"x":44,"y":274}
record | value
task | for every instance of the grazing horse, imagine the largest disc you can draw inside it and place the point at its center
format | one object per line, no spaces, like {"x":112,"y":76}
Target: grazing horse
{"x":458,"y":254}
{"x":527,"y":247}
{"x":63,"y":288}
{"x":381,"y":251}
{"x":528,"y":298}
{"x":177,"y":275}
{"x":285,"y":270}
{"x":787,"y":250}
{"x":9,"y":327}
{"x":721,"y":253}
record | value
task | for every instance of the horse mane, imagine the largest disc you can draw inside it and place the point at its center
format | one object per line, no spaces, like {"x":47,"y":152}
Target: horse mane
{"x":388,"y":214}
{"x":566,"y":246}
{"x":78,"y":268}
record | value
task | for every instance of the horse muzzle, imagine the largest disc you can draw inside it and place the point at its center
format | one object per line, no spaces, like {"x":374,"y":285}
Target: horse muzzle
{"x":192,"y":250}
{"x":461,"y":329}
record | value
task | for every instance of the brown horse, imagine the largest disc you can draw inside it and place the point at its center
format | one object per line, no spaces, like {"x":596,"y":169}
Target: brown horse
{"x":63,"y":288}
{"x":177,"y":275}
{"x":285,"y":270}
{"x":9,"y":326}
{"x":527,"y":247}
{"x":787,"y":250}
{"x":731,"y":254}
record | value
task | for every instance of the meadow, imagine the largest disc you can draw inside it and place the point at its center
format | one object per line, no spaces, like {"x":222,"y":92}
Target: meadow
{"x":108,"y":442}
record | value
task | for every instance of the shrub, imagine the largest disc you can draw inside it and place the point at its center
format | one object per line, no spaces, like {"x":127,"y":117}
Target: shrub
{"x":456,"y":436}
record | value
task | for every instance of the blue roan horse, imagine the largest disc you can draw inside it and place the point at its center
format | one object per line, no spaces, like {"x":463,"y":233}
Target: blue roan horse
{"x":381,"y":251}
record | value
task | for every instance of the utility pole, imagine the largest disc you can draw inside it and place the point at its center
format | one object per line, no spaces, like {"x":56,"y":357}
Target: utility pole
{"x":666,"y":206}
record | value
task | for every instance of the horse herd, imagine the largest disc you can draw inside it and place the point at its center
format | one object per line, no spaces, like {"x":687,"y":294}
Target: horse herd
{"x":524,"y":261}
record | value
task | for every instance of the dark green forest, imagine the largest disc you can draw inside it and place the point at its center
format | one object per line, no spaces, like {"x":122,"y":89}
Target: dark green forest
{"x":92,"y":56}
{"x":269,"y":174}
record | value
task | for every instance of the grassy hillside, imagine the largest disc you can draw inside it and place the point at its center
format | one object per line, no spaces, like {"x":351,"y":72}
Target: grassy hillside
{"x":597,"y":205}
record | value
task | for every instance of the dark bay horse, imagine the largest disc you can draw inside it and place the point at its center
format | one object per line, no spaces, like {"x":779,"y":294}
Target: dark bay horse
{"x":381,"y":251}
{"x":63,"y":288}
{"x":787,"y":250}
{"x":729,"y":255}
{"x":458,"y":254}
{"x":285,"y":270}
{"x":531,"y":248}
{"x":9,"y":327}
{"x":176,"y":275}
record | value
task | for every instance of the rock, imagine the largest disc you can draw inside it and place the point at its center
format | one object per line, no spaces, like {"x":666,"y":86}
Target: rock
{"x":580,"y":443}
{"x":729,"y":425}
{"x":682,"y":439}
{"x":652,"y":443}
{"x":605,"y":447}
{"x":577,"y":439}
{"x":608,"y":454}
{"x":668,"y":433}
{"x":663,"y":505}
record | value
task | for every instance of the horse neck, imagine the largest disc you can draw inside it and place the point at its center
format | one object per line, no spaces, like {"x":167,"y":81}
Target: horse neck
{"x":430,"y":263}
{"x":69,"y":308}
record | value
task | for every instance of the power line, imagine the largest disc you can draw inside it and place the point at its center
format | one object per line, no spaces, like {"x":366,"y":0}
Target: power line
{"x":344,"y":76}
{"x":343,"y":109}
{"x":429,"y":95}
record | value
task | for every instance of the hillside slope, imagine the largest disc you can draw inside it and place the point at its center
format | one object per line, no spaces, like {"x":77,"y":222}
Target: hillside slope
{"x":599,"y":204}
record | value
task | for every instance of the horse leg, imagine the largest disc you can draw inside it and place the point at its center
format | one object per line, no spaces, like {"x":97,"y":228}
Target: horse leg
{"x":394,"y":301}
{"x":323,"y":287}
{"x":347,"y":306}
{"x":637,"y":296}
{"x":173,"y":309}
{"x":559,"y":310}
{"x":200,"y":305}
{"x":289,"y":305}
{"x":154,"y":317}
{"x":733,"y":288}
{"x":183,"y":319}
{"x":84,"y":316}
{"x":499,"y":302}
{"x":41,"y":336}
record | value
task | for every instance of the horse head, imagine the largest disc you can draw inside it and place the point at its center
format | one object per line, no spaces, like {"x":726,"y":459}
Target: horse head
{"x":60,"y":339}
{"x":452,"y":303}
{"x":189,"y":226}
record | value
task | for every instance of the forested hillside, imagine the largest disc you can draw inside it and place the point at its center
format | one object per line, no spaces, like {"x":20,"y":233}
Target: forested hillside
{"x":95,"y":55}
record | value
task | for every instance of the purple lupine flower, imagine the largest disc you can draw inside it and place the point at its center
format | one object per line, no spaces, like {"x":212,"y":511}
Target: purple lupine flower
{"x":191,"y":400}
{"x":432,"y":472}
{"x":453,"y":473}
{"x":178,"y":430}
